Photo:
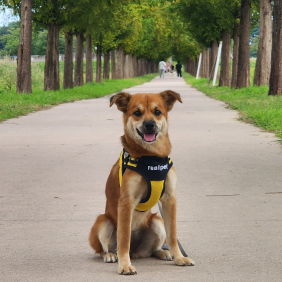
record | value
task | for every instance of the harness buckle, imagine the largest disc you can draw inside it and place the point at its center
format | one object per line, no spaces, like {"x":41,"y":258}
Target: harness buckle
{"x":133,"y":160}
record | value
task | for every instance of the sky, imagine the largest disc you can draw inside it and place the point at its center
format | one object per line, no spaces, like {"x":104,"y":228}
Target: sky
{"x":7,"y":16}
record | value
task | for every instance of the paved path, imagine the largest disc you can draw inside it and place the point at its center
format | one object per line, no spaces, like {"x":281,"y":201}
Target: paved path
{"x":53,"y":169}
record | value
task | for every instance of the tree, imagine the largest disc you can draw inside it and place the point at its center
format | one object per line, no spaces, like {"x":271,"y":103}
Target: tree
{"x":89,"y":65}
{"x":262,"y":70}
{"x":243,"y":78}
{"x":10,"y":41}
{"x":78,"y":71}
{"x":5,"y":35}
{"x":235,"y":56}
{"x":24,"y":50}
{"x":225,"y":70}
{"x":113,"y":64}
{"x":275,"y":82}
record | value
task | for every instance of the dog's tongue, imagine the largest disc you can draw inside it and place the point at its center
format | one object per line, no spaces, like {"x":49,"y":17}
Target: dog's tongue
{"x":149,"y":137}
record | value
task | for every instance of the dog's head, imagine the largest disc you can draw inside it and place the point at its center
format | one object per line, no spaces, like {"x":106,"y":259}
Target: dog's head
{"x":145,"y":117}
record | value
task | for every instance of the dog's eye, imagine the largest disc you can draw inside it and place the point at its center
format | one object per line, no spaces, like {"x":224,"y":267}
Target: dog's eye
{"x":158,"y":113}
{"x":137,"y":113}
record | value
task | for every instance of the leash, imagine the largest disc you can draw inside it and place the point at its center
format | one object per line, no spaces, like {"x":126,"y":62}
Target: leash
{"x":165,"y":245}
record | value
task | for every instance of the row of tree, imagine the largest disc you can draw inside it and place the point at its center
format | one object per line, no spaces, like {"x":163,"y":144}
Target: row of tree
{"x":143,"y":32}
{"x":211,"y":21}
{"x":133,"y":33}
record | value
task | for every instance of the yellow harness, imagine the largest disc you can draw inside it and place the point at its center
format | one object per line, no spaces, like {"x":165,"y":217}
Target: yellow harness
{"x":153,"y":169}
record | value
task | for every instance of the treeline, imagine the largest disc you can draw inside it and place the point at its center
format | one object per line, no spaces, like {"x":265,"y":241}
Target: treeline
{"x":10,"y":35}
{"x":138,"y":34}
{"x":230,"y":21}
{"x":132,"y":36}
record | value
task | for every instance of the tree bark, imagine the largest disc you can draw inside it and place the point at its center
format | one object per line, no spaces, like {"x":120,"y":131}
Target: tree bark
{"x":235,"y":57}
{"x":106,"y":72}
{"x":135,"y":66}
{"x":89,"y":63}
{"x":113,"y":64}
{"x":126,"y":67}
{"x":275,"y":82}
{"x":131,"y":67}
{"x":225,"y":70}
{"x":213,"y":57}
{"x":243,"y":78}
{"x":120,"y":60}
{"x":78,"y":70}
{"x":68,"y":63}
{"x":99,"y":64}
{"x":262,"y":71}
{"x":203,"y":64}
{"x":51,"y":69}
{"x":24,"y":49}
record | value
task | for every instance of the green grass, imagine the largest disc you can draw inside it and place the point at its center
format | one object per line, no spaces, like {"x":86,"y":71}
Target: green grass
{"x":14,"y":105}
{"x":253,"y":103}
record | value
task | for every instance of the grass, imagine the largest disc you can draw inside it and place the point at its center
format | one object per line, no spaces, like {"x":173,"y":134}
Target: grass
{"x":253,"y":103}
{"x":14,"y":105}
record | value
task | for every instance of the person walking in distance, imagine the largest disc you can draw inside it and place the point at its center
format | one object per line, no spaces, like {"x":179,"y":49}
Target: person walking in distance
{"x":172,"y":70}
{"x":162,"y":65}
{"x":178,"y":69}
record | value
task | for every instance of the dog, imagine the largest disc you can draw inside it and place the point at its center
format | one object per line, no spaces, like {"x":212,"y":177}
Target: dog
{"x":129,"y":229}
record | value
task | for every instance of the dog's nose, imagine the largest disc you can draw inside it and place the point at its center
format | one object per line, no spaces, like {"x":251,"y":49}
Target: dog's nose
{"x":149,"y":125}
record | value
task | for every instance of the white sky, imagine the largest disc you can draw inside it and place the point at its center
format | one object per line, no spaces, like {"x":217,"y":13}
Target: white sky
{"x":7,"y":16}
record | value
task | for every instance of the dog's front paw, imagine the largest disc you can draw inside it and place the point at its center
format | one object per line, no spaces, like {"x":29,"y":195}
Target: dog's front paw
{"x":110,"y":257}
{"x":183,"y":261}
{"x":127,"y":270}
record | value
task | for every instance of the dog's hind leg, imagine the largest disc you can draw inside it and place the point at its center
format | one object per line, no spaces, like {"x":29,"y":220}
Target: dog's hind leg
{"x":152,"y":241}
{"x":102,"y":238}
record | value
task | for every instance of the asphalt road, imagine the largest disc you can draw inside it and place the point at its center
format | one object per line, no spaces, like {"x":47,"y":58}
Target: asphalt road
{"x":53,"y":169}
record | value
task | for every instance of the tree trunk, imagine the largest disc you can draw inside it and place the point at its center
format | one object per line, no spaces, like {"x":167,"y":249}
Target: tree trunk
{"x":213,"y":57}
{"x":51,"y":69}
{"x":207,"y":63}
{"x":275,"y":82}
{"x":124,"y":64}
{"x":204,"y":71}
{"x":135,"y":62}
{"x":225,"y":70}
{"x":106,"y":72}
{"x":24,"y":50}
{"x":126,"y":67}
{"x":68,"y":63}
{"x":113,"y":64}
{"x":243,"y":78}
{"x":203,"y":64}
{"x":89,"y":63}
{"x":130,"y":66}
{"x":99,"y":65}
{"x":235,"y":57}
{"x":262,"y":71}
{"x":78,"y":70}
{"x":120,"y":63}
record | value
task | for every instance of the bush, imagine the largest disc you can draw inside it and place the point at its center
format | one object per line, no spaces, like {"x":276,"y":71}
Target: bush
{"x":8,"y":74}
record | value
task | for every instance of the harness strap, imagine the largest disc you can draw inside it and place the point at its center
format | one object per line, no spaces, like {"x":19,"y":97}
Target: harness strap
{"x":154,"y":175}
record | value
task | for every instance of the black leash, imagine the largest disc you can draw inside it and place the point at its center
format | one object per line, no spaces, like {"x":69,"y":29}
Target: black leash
{"x":179,"y":245}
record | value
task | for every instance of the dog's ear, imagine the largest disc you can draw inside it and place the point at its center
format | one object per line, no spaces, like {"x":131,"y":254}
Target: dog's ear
{"x":169,"y":98}
{"x":121,"y":100}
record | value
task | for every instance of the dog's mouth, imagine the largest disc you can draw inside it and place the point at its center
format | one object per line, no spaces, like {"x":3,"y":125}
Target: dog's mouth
{"x":147,"y":137}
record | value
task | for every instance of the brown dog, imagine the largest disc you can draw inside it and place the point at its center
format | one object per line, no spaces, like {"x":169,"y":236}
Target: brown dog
{"x":124,"y":232}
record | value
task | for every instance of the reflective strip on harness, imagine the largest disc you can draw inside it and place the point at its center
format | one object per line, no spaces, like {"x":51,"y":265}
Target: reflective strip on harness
{"x":120,"y":168}
{"x":156,"y":192}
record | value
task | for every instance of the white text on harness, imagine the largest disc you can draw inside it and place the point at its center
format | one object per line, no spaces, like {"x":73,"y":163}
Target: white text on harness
{"x":158,"y":167}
